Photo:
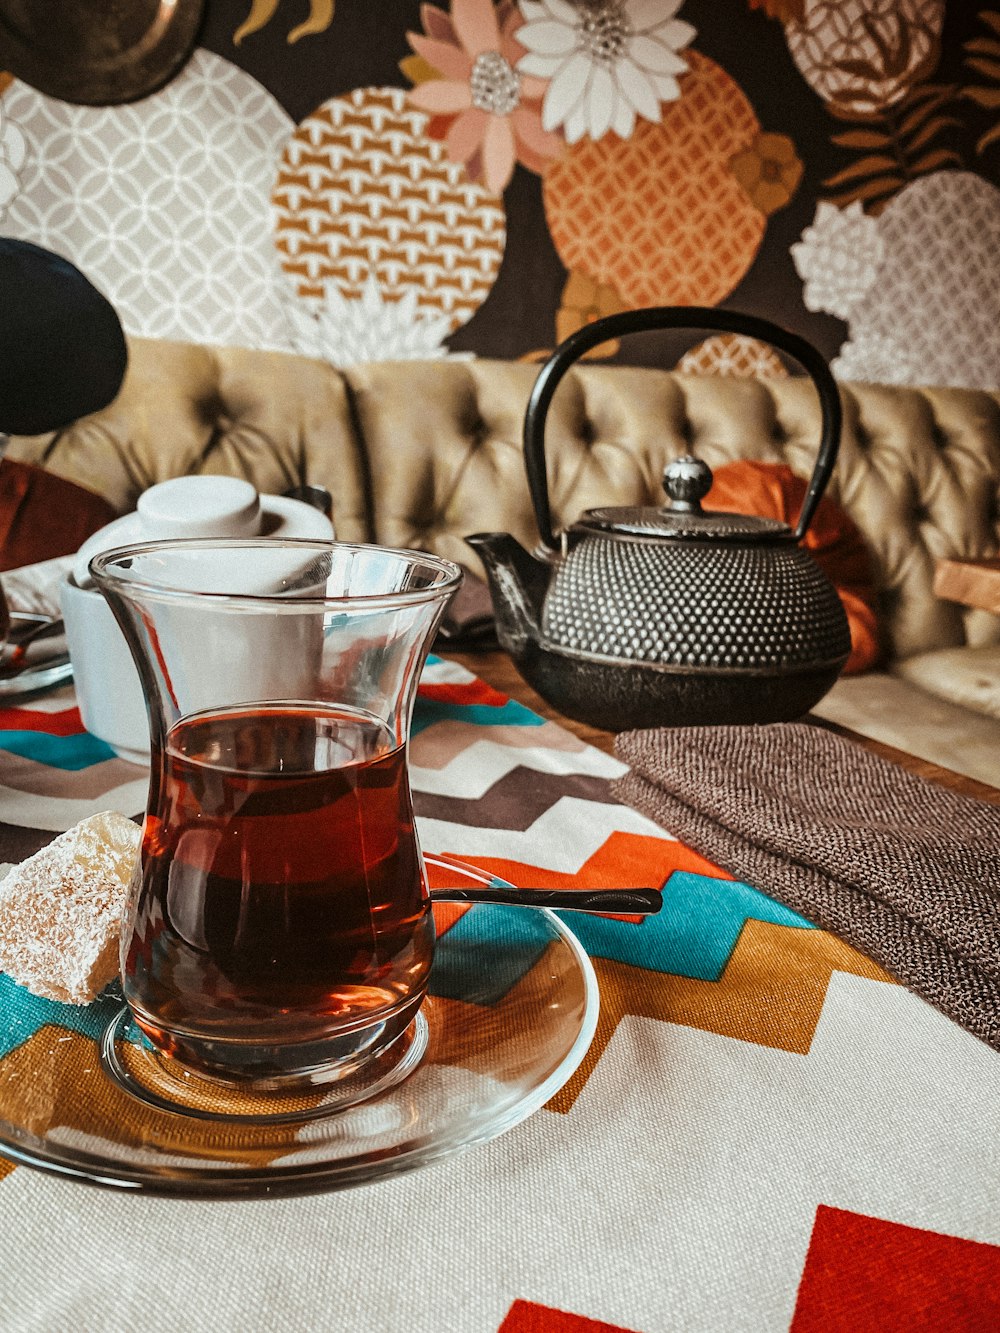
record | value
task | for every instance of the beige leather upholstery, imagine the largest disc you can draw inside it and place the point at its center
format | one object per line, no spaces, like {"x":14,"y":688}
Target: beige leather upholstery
{"x":919,"y":470}
{"x":422,"y":453}
{"x":968,"y":676}
{"x":278,"y":420}
{"x":892,"y":710}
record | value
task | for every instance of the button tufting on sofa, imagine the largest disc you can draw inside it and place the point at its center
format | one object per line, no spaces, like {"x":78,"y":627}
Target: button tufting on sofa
{"x":939,"y":436}
{"x":423,"y":453}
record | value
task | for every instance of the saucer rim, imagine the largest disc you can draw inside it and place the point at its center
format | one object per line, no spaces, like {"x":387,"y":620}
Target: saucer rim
{"x":33,"y":680}
{"x":43,"y":675}
{"x":309,"y":1177}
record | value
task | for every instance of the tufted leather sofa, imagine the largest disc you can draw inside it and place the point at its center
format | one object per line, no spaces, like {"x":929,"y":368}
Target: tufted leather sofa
{"x":421,"y":453}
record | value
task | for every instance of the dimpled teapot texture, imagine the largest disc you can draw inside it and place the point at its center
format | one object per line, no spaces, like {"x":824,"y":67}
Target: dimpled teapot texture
{"x":361,"y":182}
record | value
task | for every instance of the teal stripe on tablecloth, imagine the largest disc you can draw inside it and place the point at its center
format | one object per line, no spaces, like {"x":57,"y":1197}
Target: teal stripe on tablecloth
{"x":70,"y":753}
{"x":487,"y":952}
{"x":510,"y":714}
{"x":23,"y":1014}
{"x":695,"y":932}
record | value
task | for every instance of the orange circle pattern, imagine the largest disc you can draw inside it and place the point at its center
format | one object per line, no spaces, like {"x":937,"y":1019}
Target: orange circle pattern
{"x":363,"y":191}
{"x":659,"y":216}
{"x":733,"y":354}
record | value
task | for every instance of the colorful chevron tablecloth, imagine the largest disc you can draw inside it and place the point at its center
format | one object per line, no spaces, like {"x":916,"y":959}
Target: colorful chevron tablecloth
{"x":766,"y":1134}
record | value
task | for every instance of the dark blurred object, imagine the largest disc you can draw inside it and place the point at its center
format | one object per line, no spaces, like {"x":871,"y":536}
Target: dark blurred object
{"x":97,"y":52}
{"x":468,"y":624}
{"x":62,"y":356}
{"x":317,"y":496}
{"x":43,"y":516}
{"x":62,"y":350}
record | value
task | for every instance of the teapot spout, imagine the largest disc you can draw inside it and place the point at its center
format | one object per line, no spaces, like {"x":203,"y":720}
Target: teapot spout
{"x":517,"y":585}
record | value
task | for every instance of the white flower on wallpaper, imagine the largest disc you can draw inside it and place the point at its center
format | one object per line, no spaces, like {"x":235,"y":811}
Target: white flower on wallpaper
{"x":606,"y":61}
{"x":13,"y":151}
{"x":921,"y":292}
{"x":872,"y":358}
{"x":348,"y":332}
{"x":838,"y":258}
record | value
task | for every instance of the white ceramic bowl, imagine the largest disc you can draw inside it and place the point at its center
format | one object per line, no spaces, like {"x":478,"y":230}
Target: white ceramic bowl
{"x":107,"y":683}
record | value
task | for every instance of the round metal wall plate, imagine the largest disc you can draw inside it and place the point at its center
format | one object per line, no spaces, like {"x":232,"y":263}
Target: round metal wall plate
{"x":94,"y":52}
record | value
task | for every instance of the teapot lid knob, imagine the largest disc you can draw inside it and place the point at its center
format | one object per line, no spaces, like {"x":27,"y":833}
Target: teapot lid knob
{"x":687,"y":481}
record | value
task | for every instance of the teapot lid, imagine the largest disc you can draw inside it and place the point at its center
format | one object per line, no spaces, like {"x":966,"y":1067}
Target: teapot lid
{"x":687,"y":481}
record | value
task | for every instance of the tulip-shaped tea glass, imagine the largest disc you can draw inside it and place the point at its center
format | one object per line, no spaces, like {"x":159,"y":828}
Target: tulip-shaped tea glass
{"x":278,"y":932}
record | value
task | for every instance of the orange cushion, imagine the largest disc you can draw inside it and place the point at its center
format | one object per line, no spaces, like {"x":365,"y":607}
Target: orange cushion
{"x":772,"y":490}
{"x":43,"y":516}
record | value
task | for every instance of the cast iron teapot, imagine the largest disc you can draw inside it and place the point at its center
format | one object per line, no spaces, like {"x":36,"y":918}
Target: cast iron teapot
{"x":645,"y":617}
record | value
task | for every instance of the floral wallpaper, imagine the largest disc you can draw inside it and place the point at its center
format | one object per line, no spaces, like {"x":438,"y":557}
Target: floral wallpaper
{"x":361,"y":180}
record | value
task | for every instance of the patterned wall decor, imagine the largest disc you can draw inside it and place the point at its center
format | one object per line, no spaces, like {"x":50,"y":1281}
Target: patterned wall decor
{"x":162,"y":203}
{"x":483,"y":176}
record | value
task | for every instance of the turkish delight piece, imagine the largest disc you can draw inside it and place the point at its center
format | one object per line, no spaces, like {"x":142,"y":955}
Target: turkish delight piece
{"x":61,"y":910}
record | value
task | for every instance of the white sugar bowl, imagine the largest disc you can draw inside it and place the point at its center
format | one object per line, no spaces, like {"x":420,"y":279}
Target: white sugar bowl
{"x":107,"y":683}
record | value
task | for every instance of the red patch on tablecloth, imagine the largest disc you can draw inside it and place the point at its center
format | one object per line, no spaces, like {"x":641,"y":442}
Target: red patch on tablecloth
{"x":464,"y":692}
{"x":67,"y":722}
{"x":864,"y":1275}
{"x":527,"y":1317}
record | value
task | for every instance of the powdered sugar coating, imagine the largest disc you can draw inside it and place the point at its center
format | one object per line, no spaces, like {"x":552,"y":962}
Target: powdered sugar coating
{"x":61,"y":910}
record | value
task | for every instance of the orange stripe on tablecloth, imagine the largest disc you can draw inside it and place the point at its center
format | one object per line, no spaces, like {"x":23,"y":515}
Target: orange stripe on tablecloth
{"x":623,"y":860}
{"x":867,"y":1273}
{"x":527,"y":1317}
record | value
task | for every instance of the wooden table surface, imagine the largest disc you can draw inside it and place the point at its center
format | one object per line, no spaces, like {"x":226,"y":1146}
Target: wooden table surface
{"x":498,"y":670}
{"x":971,"y":582}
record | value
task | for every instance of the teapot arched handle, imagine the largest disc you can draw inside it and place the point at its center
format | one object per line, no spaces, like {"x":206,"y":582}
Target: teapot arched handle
{"x":677,"y":317}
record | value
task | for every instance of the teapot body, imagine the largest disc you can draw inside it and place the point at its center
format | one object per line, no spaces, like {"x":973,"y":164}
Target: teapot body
{"x":641,"y":633}
{"x":690,"y":606}
{"x":670,"y":616}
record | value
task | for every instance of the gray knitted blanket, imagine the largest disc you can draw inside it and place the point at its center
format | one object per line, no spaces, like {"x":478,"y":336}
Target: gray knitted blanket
{"x":905,"y":871}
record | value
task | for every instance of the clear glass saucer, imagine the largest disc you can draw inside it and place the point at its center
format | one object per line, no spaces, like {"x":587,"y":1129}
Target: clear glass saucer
{"x":48,"y":661}
{"x":35,"y":678}
{"x":510,"y":1013}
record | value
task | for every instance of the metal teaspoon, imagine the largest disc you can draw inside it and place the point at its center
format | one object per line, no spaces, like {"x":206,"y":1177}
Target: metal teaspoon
{"x":625,"y":902}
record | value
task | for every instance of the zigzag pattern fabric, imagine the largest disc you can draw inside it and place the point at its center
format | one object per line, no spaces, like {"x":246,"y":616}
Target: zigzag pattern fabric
{"x":755,"y":1087}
